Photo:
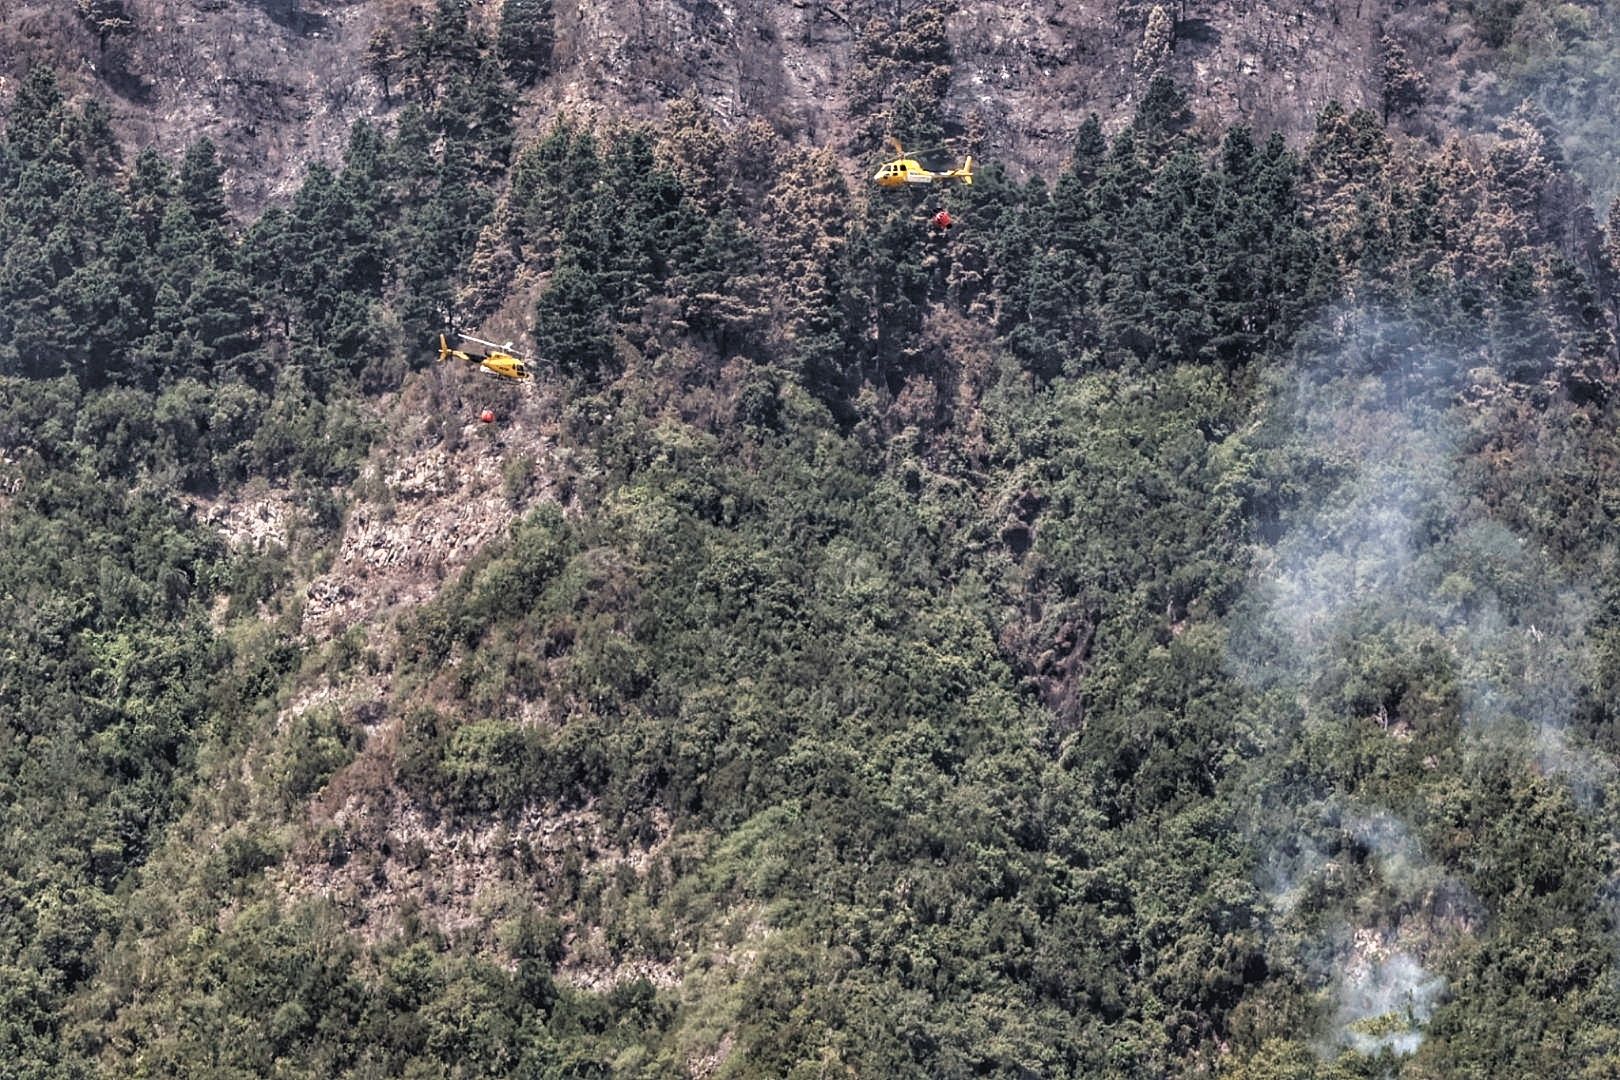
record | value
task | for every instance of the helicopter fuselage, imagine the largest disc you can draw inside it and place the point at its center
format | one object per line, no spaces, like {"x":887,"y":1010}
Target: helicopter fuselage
{"x":902,"y":172}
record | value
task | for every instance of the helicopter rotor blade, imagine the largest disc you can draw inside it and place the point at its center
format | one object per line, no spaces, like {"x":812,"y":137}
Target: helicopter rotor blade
{"x":504,"y":347}
{"x":915,"y":155}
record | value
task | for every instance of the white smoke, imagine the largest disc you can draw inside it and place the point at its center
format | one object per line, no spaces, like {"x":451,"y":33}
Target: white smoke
{"x":1399,"y":601}
{"x":1384,"y":1001}
{"x":1396,"y":558}
{"x":1287,"y":876}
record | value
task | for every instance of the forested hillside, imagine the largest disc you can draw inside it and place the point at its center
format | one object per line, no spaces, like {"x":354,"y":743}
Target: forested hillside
{"x":1165,"y":625}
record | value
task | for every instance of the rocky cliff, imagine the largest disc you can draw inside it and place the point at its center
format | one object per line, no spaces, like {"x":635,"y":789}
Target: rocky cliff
{"x":276,"y":83}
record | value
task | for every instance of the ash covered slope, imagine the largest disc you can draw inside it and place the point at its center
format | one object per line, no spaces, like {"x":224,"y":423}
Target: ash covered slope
{"x":277,"y":83}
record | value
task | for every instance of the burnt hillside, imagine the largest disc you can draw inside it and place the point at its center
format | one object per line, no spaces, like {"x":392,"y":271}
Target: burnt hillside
{"x":277,"y":83}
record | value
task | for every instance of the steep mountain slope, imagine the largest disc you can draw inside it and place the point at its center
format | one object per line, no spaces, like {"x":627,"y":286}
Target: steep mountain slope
{"x":1164,"y":626}
{"x":277,"y":84}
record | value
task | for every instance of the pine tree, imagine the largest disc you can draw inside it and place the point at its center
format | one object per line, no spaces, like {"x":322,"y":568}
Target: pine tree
{"x":888,"y":288}
{"x":147,"y":191}
{"x":910,"y":60}
{"x":1090,"y":150}
{"x":1349,"y":161}
{"x":525,"y":38}
{"x":555,"y":181}
{"x":37,"y":126}
{"x":1162,"y":116}
{"x":364,"y":193}
{"x":1404,"y":87}
{"x":93,"y":144}
{"x":183,"y":247}
{"x":1419,"y":224}
{"x":475,"y":116}
{"x":1121,"y":183}
{"x":634,"y":227}
{"x":1254,"y":245}
{"x":1583,"y":325}
{"x":1522,"y":338}
{"x":436,"y":47}
{"x":331,"y":263}
{"x":1074,"y":213}
{"x":1012,"y":255}
{"x":1471,"y":234}
{"x":1348,"y":153}
{"x":805,"y":241}
{"x":440,"y":234}
{"x":35,"y":332}
{"x":720,"y":285}
{"x":572,"y":330}
{"x":411,"y":160}
{"x":107,"y":293}
{"x":1057,"y":322}
{"x":43,"y":245}
{"x":1522,"y":167}
{"x":749,"y":168}
{"x":489,"y":270}
{"x":1060,"y":290}
{"x":201,"y":186}
{"x":1158,"y":38}
{"x":270,"y":268}
{"x":694,"y":149}
{"x":1184,"y":202}
{"x":220,"y":317}
{"x":381,"y":58}
{"x":448,"y":34}
{"x":201,"y":314}
{"x":913,"y":118}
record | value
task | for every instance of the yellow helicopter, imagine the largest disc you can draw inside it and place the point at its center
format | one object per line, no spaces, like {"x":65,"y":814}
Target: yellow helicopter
{"x":493,"y":358}
{"x":903,"y":170}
